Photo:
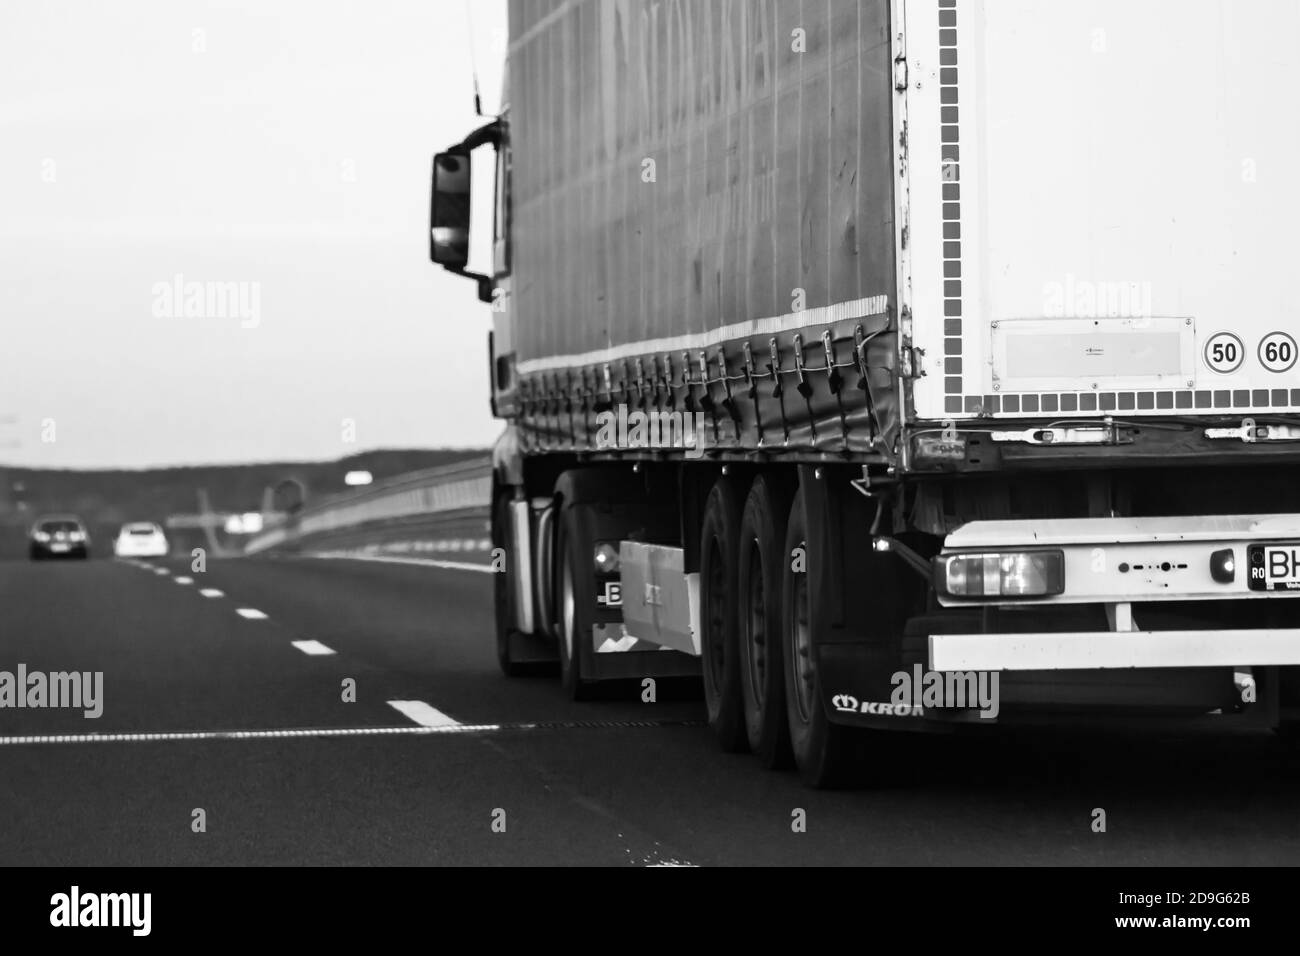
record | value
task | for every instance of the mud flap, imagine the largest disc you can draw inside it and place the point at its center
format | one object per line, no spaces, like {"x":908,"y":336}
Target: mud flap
{"x":860,"y":596}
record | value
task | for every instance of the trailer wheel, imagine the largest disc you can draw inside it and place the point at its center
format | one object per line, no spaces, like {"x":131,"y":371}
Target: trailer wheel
{"x":761,"y":558}
{"x":719,"y":607}
{"x":572,"y":606}
{"x":821,"y":749}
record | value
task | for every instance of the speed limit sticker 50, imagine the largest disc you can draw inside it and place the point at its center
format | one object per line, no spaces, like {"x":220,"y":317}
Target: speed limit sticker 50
{"x":1277,"y":352}
{"x":1224,"y":352}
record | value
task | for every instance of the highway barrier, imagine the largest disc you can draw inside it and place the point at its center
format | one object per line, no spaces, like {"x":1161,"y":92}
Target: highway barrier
{"x":440,"y":512}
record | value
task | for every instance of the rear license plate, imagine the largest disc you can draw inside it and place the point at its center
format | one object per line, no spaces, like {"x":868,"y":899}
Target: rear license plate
{"x":59,"y":547}
{"x":613,"y":596}
{"x":1274,"y":567}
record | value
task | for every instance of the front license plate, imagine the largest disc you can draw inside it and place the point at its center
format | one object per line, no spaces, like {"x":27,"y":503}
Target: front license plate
{"x":1274,"y":567}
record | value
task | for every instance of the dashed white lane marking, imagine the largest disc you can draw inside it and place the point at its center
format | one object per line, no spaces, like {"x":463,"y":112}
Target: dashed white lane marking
{"x":420,"y":562}
{"x":211,"y":593}
{"x":314,"y":648}
{"x":423,"y":714}
{"x":252,"y":613}
{"x":161,"y":571}
{"x":183,"y":580}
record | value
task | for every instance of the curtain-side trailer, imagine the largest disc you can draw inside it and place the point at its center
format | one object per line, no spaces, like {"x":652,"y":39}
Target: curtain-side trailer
{"x":896,"y":364}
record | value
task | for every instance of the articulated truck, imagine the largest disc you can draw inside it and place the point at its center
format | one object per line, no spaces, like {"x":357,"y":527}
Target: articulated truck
{"x":895,"y":365}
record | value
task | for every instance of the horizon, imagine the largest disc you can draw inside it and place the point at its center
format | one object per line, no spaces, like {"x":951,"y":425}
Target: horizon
{"x":445,"y":449}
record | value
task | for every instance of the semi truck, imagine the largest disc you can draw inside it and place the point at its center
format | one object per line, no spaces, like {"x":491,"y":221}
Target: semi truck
{"x":895,"y":365}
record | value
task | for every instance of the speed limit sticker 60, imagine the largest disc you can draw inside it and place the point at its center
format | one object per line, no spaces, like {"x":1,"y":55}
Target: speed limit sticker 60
{"x":1277,"y":352}
{"x":1224,"y":352}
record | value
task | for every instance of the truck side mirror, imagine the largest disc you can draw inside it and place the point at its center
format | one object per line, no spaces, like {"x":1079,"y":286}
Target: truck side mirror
{"x":449,"y":210}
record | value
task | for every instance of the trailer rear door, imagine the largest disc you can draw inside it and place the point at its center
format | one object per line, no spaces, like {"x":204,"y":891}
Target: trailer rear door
{"x":1101,"y":208}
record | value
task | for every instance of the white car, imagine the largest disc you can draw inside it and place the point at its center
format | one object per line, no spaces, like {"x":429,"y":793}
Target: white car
{"x":142,"y":539}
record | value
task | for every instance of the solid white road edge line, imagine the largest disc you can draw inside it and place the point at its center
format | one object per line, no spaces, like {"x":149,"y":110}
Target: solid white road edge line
{"x":422,"y":713}
{"x":145,"y":737}
{"x":405,"y":730}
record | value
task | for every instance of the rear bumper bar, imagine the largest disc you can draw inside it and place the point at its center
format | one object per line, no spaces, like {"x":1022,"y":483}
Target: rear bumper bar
{"x":1114,"y":650}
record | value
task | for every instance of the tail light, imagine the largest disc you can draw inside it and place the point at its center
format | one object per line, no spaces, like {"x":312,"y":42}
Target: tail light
{"x":1223,"y":566}
{"x":605,"y":557}
{"x":1014,"y":574}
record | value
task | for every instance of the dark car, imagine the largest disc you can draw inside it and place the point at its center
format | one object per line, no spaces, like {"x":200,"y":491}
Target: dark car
{"x":58,"y":536}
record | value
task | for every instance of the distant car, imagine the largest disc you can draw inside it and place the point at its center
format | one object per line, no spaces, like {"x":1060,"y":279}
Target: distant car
{"x":141,"y":539}
{"x":58,"y":536}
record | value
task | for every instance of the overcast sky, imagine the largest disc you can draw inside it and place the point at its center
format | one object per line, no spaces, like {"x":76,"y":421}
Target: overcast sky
{"x":282,"y":145}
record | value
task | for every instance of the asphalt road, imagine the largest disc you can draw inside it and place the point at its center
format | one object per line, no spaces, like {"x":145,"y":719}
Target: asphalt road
{"x":611,"y":782}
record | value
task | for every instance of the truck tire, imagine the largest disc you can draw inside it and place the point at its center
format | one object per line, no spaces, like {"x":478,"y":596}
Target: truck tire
{"x":503,"y":587}
{"x":821,"y":749}
{"x":761,"y":558}
{"x":719,"y":610}
{"x":574,"y":587}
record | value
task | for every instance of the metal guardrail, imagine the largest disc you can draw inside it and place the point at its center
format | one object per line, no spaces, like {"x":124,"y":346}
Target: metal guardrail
{"x":416,"y":499}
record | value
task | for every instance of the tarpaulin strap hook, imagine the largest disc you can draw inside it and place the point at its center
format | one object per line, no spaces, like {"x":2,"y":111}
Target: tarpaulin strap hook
{"x":706,"y":400}
{"x":777,"y":392}
{"x":726,"y":380}
{"x":775,"y":367}
{"x":557,"y":395}
{"x":640,"y":383}
{"x":568,"y":407}
{"x":860,"y":355}
{"x":752,"y":389}
{"x":804,"y":388}
{"x":689,"y":402}
{"x":834,"y":380}
{"x":833,"y":373}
